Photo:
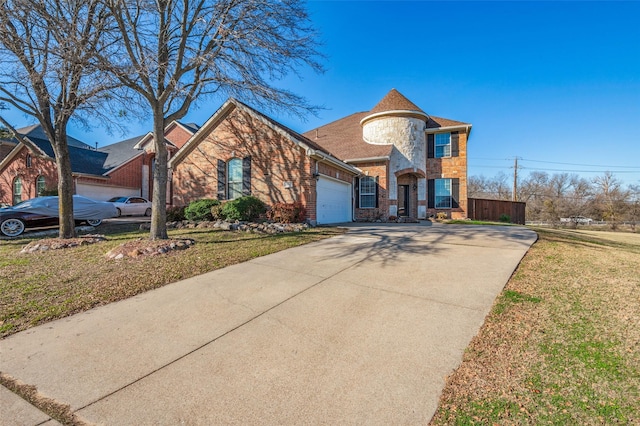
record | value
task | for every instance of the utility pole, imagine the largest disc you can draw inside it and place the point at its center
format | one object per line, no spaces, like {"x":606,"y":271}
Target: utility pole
{"x":514,"y":196}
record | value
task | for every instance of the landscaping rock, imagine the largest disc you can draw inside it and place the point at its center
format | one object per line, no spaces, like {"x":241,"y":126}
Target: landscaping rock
{"x":59,"y":243}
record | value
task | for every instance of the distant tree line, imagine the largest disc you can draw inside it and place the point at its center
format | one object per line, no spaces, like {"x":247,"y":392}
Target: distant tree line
{"x":564,"y":195}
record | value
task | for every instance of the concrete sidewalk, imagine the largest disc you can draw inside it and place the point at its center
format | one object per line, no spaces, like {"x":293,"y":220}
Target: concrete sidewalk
{"x":361,"y":328}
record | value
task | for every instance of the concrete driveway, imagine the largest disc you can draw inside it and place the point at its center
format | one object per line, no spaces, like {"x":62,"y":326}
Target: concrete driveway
{"x":358,"y":329}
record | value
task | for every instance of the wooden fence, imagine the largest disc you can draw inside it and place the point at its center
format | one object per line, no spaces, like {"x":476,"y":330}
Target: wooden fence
{"x":495,"y":210}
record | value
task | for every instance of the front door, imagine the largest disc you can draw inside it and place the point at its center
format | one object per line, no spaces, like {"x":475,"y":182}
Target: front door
{"x":403,"y":200}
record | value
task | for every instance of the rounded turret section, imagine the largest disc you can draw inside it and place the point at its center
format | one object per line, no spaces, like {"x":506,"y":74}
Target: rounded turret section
{"x":397,"y":121}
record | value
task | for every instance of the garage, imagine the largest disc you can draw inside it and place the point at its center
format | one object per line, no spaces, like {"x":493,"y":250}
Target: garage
{"x":333,"y":201}
{"x":104,"y":192}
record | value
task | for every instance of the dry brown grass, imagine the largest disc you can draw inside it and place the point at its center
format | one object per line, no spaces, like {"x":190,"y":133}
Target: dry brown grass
{"x":562,"y":343}
{"x":46,"y":285}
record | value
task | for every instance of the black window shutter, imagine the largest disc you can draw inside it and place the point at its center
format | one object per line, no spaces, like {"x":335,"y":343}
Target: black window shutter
{"x":357,"y":192}
{"x":430,"y":146}
{"x":455,"y":193}
{"x":246,"y":176}
{"x":431,"y":193}
{"x":222,"y":179}
{"x":455,"y":150}
{"x":377,"y":191}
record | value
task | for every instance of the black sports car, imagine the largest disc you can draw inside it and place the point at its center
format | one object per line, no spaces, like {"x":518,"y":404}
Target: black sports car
{"x":43,"y":212}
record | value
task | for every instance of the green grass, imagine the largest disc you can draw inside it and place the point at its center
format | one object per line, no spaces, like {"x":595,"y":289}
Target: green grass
{"x":561,"y":344}
{"x":39,"y":287}
{"x":478,"y":222}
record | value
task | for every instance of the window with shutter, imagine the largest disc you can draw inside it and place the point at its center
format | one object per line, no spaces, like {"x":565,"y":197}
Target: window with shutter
{"x":234,"y":178}
{"x":367,"y":192}
{"x":455,"y":144}
{"x":246,"y":176}
{"x":443,"y":145}
{"x":222,"y":179}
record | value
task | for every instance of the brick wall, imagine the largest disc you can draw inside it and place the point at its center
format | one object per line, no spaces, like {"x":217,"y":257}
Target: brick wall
{"x":129,"y":175}
{"x":281,"y":172}
{"x":452,"y":167}
{"x":379,"y":170}
{"x":18,"y":168}
{"x":177,"y":135}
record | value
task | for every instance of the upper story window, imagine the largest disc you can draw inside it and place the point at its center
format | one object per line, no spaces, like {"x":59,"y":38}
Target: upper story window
{"x":40,"y":185}
{"x":443,"y":145}
{"x":234,"y":178}
{"x":17,"y":190}
{"x":367,"y":192}
{"x":28,"y":160}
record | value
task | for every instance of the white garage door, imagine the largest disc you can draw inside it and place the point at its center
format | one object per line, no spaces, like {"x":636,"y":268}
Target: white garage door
{"x":333,"y":201}
{"x":103,"y":192}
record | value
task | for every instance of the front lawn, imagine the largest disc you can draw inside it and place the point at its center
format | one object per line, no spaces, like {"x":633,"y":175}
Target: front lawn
{"x":42,"y":286}
{"x":562,"y":343}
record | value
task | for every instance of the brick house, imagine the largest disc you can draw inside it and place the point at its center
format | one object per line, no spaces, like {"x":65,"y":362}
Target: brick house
{"x":392,"y":161}
{"x":27,"y":167}
{"x":240,"y":151}
{"x":413,"y":164}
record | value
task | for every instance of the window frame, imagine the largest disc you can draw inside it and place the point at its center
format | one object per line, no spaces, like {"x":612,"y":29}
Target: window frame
{"x":445,"y":148}
{"x":40,"y":180}
{"x":439,"y":186}
{"x":234,"y":187}
{"x":362,"y":193}
{"x":17,"y":181}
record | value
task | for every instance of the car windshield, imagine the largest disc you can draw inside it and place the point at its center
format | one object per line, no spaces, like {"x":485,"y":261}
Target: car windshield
{"x":118,"y":200}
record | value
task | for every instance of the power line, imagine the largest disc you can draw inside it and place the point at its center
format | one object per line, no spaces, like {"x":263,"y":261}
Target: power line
{"x":579,"y":171}
{"x":576,"y":164}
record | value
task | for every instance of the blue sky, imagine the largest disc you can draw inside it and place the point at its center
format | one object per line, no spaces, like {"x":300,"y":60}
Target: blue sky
{"x":556,"y":84}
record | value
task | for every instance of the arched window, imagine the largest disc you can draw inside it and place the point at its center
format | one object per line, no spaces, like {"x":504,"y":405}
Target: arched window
{"x":40,"y":186}
{"x":234,"y":178}
{"x":28,"y":161}
{"x":17,"y":190}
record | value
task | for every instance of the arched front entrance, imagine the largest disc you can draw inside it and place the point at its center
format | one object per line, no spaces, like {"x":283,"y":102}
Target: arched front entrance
{"x":407,"y":196}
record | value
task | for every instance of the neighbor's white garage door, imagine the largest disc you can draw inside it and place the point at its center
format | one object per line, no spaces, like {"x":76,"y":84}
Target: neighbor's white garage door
{"x":333,"y":201}
{"x":103,"y":192}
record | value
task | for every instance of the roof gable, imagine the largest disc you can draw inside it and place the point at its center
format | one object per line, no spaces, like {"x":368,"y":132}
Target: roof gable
{"x":395,"y":101}
{"x":310,"y":147}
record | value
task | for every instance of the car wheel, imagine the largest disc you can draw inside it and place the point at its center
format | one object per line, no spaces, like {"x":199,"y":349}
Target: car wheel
{"x":12,"y":227}
{"x":94,"y":222}
{"x":119,"y":213}
{"x":148,"y":212}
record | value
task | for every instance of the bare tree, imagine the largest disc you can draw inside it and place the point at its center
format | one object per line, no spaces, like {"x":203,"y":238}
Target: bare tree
{"x":48,"y":72}
{"x":610,"y":198}
{"x":175,"y":52}
{"x":633,"y":212}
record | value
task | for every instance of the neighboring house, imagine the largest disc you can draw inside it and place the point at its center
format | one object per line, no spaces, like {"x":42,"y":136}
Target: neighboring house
{"x":240,"y":151}
{"x":119,"y":169}
{"x":176,"y":135}
{"x":414,"y":165}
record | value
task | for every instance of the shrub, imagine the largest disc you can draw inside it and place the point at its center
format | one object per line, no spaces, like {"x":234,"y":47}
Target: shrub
{"x":175,"y":214}
{"x":287,"y":213}
{"x":200,"y":209}
{"x":216,"y":212}
{"x":243,"y":208}
{"x":48,"y":192}
{"x":505,"y":218}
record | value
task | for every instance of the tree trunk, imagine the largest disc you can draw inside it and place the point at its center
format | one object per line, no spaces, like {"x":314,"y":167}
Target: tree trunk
{"x":65,"y":183}
{"x":160,"y":173}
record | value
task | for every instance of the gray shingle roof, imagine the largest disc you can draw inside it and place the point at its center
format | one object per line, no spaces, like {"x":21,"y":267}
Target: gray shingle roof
{"x":121,"y":152}
{"x":35,"y":131}
{"x":83,"y":160}
{"x":343,"y":137}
